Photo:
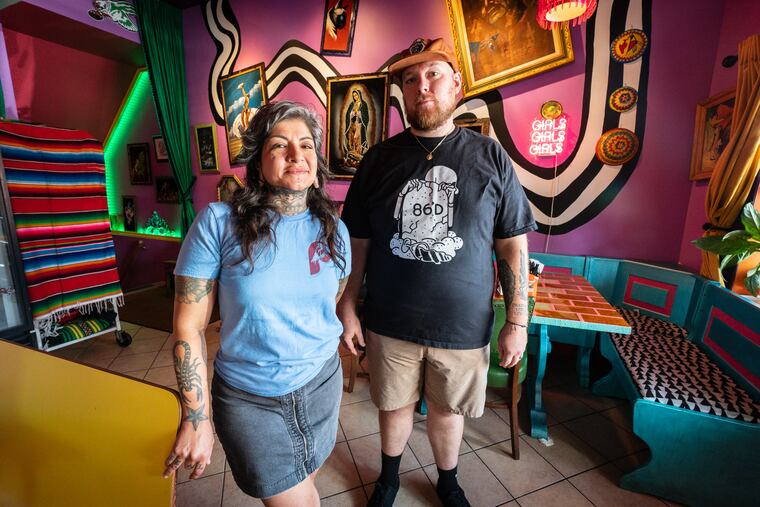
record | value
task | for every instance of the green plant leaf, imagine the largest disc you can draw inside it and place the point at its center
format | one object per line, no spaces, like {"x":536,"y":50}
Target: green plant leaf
{"x":754,"y":270}
{"x":728,"y":260}
{"x":752,"y":283}
{"x":735,"y":242}
{"x":751,"y":220}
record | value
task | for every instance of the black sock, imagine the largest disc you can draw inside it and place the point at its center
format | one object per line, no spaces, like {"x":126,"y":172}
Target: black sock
{"x":389,"y":472}
{"x":447,"y":480}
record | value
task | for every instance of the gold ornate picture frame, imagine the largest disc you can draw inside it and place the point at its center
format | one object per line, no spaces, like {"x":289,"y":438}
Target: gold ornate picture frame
{"x":500,"y":42}
{"x":712,"y":130}
{"x":480,"y":125}
{"x":228,"y":185}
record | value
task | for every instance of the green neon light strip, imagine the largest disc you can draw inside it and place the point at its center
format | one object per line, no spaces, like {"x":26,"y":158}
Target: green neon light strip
{"x":114,"y":146}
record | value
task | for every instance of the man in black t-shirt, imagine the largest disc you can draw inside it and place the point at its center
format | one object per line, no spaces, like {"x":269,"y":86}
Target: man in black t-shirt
{"x":426,"y":210}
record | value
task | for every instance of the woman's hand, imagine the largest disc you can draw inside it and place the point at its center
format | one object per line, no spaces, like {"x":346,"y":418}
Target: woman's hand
{"x":192,"y":447}
{"x":351,"y":327}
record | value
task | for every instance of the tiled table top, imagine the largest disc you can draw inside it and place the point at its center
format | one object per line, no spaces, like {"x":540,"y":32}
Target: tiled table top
{"x":571,"y":301}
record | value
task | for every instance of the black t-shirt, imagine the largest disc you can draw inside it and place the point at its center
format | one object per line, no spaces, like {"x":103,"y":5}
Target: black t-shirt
{"x":432,"y":224}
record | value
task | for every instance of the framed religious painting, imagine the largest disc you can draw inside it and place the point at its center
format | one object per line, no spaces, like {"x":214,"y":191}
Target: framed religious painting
{"x":160,"y":148}
{"x":138,"y":162}
{"x":499,"y":41}
{"x":479,"y":125}
{"x":166,"y":189}
{"x":338,"y":26}
{"x":129,"y":209}
{"x":228,"y":185}
{"x":357,"y":113}
{"x":243,"y":93}
{"x":206,"y":148}
{"x":712,"y":130}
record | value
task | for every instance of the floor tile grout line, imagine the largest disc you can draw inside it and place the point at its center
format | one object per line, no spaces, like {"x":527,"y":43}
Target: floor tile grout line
{"x":494,"y":475}
{"x":353,"y":459}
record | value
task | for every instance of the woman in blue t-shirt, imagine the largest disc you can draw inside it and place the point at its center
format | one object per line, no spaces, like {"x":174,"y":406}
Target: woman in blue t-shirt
{"x":277,"y":256}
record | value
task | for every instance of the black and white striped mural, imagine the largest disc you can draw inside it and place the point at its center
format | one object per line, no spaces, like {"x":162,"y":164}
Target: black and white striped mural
{"x":582,"y":186}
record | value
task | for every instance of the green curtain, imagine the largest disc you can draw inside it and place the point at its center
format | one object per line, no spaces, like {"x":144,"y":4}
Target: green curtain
{"x":161,"y":35}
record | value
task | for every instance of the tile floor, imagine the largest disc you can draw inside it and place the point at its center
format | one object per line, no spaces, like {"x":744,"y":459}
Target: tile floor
{"x":593,"y":443}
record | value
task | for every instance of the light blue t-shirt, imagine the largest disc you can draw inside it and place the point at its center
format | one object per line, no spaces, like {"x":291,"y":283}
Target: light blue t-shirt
{"x":279,"y":326}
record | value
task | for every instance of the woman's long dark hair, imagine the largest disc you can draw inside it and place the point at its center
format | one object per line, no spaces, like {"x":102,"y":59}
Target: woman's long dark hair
{"x":253,"y":216}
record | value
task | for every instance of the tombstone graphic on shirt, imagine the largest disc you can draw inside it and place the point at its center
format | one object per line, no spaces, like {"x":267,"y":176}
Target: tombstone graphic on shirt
{"x":425,"y":214}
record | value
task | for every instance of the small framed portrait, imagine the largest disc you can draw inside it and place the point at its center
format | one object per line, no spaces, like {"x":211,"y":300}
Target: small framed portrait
{"x":228,"y":185}
{"x":243,"y":93}
{"x":501,"y":42}
{"x":479,"y":125}
{"x":129,"y":211}
{"x":338,"y":27}
{"x":712,"y":130}
{"x":166,"y":189}
{"x":139,"y":164}
{"x":357,"y":113}
{"x":160,"y":148}
{"x":205,"y":143}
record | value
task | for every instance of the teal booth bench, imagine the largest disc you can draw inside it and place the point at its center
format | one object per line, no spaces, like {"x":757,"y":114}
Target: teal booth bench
{"x":690,"y":367}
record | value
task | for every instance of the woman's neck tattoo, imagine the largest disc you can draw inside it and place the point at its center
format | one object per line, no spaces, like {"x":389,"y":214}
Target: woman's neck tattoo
{"x":287,"y":201}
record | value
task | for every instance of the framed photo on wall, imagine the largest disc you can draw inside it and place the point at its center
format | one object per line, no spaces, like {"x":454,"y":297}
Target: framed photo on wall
{"x":138,"y":161}
{"x":501,"y":42}
{"x":160,"y":148}
{"x":129,"y":209}
{"x":243,"y":93}
{"x":166,"y":189}
{"x":712,"y":130}
{"x":357,"y":113}
{"x":206,"y":146}
{"x":227,"y":186}
{"x":479,"y":125}
{"x":338,"y":26}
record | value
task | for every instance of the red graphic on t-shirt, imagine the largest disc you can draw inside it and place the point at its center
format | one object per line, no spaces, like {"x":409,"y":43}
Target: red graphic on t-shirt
{"x":318,"y":252}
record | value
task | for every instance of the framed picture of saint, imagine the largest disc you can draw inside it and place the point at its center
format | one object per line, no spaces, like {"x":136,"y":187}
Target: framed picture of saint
{"x":243,"y":93}
{"x":205,"y":142}
{"x":227,"y":186}
{"x":139,"y":164}
{"x":130,"y":212}
{"x":357,"y":113}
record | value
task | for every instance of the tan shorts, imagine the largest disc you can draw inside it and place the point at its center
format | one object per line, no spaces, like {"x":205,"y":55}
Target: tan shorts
{"x":453,"y":379}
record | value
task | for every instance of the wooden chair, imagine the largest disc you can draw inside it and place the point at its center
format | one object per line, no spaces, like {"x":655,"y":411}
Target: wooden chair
{"x":511,"y":378}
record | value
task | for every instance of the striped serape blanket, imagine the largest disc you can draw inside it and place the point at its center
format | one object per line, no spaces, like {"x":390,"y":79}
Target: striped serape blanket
{"x":56,"y":182}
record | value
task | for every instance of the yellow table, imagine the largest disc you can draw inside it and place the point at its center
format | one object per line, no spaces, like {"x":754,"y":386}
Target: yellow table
{"x":71,"y":434}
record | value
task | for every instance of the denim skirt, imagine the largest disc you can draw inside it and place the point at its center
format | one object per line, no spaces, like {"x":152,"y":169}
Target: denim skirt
{"x":274,"y":443}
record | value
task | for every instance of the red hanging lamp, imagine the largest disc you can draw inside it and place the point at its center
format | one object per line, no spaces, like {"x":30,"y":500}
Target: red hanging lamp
{"x":551,"y":13}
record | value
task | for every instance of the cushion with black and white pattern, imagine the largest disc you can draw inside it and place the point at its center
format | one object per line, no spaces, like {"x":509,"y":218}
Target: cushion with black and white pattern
{"x":674,"y":371}
{"x":642,"y":323}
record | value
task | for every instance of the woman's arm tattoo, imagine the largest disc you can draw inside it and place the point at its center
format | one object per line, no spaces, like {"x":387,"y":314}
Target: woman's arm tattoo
{"x":192,"y":290}
{"x":186,"y":368}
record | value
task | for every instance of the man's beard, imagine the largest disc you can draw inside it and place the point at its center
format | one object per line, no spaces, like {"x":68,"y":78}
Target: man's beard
{"x":431,"y":119}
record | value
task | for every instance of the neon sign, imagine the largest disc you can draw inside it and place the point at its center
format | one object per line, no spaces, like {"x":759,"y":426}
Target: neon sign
{"x":548,"y":137}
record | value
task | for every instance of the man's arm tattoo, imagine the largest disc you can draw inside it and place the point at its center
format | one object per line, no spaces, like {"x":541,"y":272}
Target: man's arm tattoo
{"x":192,"y":290}
{"x":523,"y":286}
{"x":188,"y":378}
{"x":341,"y":287}
{"x":515,"y":301}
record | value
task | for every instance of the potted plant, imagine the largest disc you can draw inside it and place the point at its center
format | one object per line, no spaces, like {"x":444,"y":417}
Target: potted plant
{"x":735,"y":246}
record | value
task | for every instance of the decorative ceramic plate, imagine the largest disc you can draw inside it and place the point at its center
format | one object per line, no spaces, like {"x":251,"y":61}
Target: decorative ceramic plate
{"x":628,"y":46}
{"x":551,"y":109}
{"x":617,"y":146}
{"x":623,"y":99}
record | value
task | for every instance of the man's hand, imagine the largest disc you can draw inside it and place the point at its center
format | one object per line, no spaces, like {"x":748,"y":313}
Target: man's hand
{"x":512,"y":342}
{"x":192,"y":448}
{"x":351,"y":327}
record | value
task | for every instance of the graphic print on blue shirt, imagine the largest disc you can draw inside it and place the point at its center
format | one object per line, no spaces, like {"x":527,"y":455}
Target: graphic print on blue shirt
{"x":318,"y":253}
{"x":425,"y":215}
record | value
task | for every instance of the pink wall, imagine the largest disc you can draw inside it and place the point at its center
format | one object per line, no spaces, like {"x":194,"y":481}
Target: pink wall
{"x":739,"y":22}
{"x":63,"y":87}
{"x":646,"y":219}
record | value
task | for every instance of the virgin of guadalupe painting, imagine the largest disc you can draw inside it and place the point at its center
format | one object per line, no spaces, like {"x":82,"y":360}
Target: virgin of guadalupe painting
{"x":356,"y":112}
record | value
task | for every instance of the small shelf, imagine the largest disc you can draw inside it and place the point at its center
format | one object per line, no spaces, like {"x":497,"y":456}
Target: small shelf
{"x":174,"y":239}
